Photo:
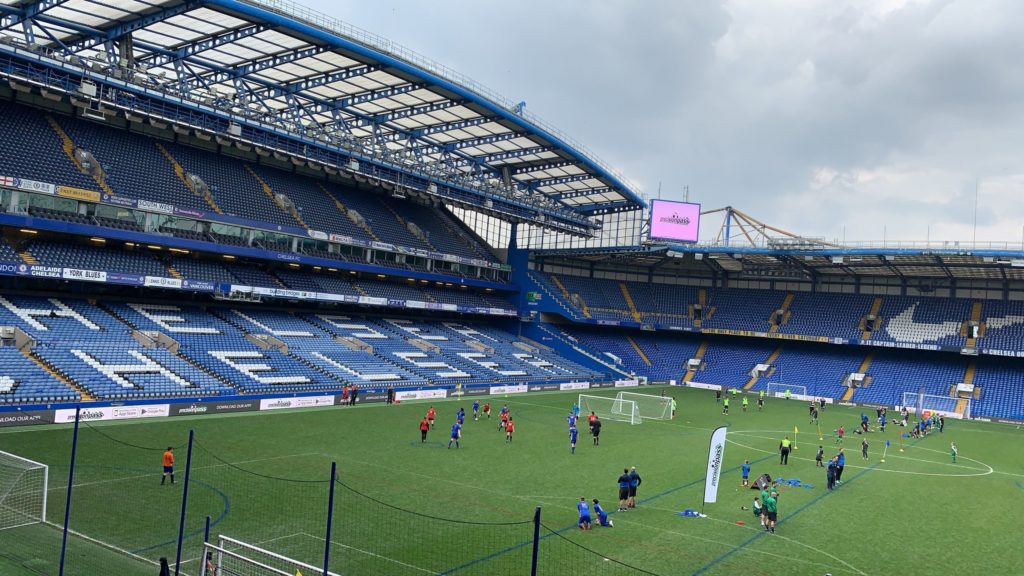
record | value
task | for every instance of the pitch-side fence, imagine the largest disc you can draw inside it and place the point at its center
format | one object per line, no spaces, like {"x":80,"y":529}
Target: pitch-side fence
{"x":113,"y":514}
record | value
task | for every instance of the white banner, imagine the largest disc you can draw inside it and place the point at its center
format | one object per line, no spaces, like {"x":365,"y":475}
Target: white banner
{"x":626,"y":383}
{"x":298,"y":402}
{"x":574,"y":386}
{"x":87,"y":275}
{"x":511,"y":389}
{"x":155,"y":207}
{"x":716,"y":455}
{"x":161,"y":282}
{"x":403,"y":395}
{"x":113,"y":413}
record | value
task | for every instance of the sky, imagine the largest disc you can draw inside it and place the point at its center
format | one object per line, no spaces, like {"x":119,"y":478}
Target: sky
{"x":861,"y":120}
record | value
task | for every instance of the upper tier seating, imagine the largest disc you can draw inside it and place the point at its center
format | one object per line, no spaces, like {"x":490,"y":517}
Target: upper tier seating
{"x":234,"y":189}
{"x":32,"y":150}
{"x":133,"y":165}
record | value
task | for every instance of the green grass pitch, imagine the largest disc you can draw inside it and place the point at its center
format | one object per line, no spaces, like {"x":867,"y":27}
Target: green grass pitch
{"x":406,"y":507}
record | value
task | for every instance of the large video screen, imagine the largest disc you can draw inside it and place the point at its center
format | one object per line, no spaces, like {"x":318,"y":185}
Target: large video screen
{"x":678,"y":221}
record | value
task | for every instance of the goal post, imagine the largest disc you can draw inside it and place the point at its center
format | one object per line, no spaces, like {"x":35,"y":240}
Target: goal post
{"x":610,"y":408}
{"x":232,"y":557}
{"x":650,"y":406}
{"x":23,"y":485}
{"x":778,"y":390}
{"x":917,"y":402}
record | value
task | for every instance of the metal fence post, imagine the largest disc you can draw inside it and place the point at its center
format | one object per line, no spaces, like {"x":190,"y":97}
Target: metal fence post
{"x":536,"y":541}
{"x":330,"y":519}
{"x":184,"y":503}
{"x":71,"y":482}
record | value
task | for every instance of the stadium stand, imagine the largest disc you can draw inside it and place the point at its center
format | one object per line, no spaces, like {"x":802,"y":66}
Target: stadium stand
{"x":40,"y":157}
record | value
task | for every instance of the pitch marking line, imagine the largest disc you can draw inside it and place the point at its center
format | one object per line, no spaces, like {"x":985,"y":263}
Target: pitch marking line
{"x":778,"y":536}
{"x":988,"y":469}
{"x":852,"y":568}
{"x":109,"y":480}
{"x":260,"y":543}
{"x":374,"y":555}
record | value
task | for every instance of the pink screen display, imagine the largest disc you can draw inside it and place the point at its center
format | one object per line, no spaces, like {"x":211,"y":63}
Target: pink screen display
{"x":675,"y":220}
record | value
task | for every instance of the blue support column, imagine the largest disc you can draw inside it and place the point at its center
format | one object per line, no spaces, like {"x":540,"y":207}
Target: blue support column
{"x":184,"y":503}
{"x":536,"y":541}
{"x":67,"y":502}
{"x":330,"y":520}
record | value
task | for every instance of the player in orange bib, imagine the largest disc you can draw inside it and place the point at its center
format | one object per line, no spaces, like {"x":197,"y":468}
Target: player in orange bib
{"x":168,"y":466}
{"x":510,"y":427}
{"x":430,"y":416}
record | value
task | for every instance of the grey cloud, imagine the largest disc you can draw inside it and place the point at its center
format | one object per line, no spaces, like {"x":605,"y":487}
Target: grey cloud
{"x":745,"y":101}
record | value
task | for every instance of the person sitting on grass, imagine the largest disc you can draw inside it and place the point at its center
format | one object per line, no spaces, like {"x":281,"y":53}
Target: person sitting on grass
{"x":602,"y":516}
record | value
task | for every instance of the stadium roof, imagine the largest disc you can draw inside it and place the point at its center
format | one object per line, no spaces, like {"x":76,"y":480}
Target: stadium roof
{"x":284,"y":63}
{"x":1001,"y":263}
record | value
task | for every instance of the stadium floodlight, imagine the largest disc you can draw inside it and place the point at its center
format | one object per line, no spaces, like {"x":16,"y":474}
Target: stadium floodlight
{"x":778,"y":390}
{"x":651,"y":407}
{"x":609,"y":408}
{"x":231,"y":557}
{"x":23,"y":485}
{"x":916,"y":402}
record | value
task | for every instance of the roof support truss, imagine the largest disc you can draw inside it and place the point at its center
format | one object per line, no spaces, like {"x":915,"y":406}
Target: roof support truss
{"x":193,"y":48}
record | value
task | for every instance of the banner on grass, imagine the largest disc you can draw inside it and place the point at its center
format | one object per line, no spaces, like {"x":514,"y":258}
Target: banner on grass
{"x":716,"y":454}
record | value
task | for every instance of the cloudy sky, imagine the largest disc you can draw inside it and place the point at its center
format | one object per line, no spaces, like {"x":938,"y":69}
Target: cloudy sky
{"x":870,"y":118}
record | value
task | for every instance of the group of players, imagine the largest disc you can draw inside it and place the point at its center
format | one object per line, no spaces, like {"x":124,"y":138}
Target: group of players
{"x":507,"y":424}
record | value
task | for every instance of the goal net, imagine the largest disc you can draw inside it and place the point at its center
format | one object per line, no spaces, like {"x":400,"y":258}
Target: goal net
{"x":916,"y":403}
{"x":778,"y":390}
{"x":231,"y":557}
{"x":610,"y":408}
{"x":22,"y":491}
{"x":650,"y":406}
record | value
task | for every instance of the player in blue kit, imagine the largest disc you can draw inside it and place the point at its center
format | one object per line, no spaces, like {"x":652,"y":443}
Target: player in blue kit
{"x":456,"y":434}
{"x":571,"y":418}
{"x":584,"y":508}
{"x":476,"y":410}
{"x":461,"y":415}
{"x":745,"y":468}
{"x":573,"y":433}
{"x":602,"y":516}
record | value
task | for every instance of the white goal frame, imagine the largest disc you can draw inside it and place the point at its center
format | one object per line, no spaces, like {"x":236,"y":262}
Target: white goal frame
{"x":21,"y":502}
{"x":651,"y":407}
{"x":945,"y":405}
{"x":232,"y":557}
{"x":610,"y":408}
{"x":778,"y":390}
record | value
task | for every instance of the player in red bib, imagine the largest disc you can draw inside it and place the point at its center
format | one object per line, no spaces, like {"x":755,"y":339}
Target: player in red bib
{"x":487,"y":409}
{"x":510,"y":427}
{"x":424,"y":426}
{"x":504,"y":421}
{"x":430,"y":416}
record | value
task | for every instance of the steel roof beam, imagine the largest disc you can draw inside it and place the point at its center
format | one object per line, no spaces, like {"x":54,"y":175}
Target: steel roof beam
{"x":482,"y":140}
{"x":26,"y":13}
{"x":399,"y":113}
{"x":536,"y":167}
{"x":202,"y":45}
{"x":560,"y":180}
{"x":219,"y":74}
{"x":587,"y":192}
{"x":455,"y":125}
{"x":509,"y":154}
{"x":128,"y":26}
{"x":321,"y":80}
{"x":372,"y":95}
